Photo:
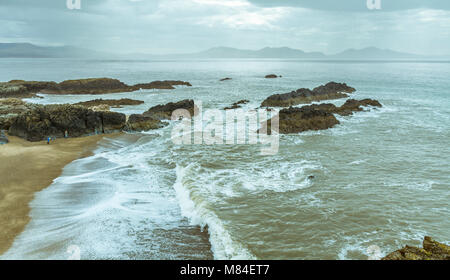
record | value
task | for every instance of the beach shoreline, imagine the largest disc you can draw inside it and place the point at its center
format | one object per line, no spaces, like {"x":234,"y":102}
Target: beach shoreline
{"x":26,"y":168}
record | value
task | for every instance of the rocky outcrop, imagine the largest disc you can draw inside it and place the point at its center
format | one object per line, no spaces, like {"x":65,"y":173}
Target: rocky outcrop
{"x":272,"y":76}
{"x":10,"y":108}
{"x":161,"y":85}
{"x":296,"y":120}
{"x":348,"y":108}
{"x":137,"y":122}
{"x":237,"y":104}
{"x":225,"y":79}
{"x":432,"y":250}
{"x":22,"y":89}
{"x":87,"y":86}
{"x":317,"y":116}
{"x":40,"y":122}
{"x":329,"y":91}
{"x":162,"y":112}
{"x":115,"y":103}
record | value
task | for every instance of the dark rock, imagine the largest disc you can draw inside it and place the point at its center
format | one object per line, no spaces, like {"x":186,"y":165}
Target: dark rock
{"x":110,"y":102}
{"x":22,"y":89}
{"x":161,"y":85}
{"x":88,"y":86}
{"x":41,"y":121}
{"x":137,"y":122}
{"x":237,"y":104}
{"x":10,"y":108}
{"x":432,"y":250}
{"x":296,"y":120}
{"x":225,"y":79}
{"x":271,"y":76}
{"x":329,"y":91}
{"x":333,"y":87}
{"x":165,"y":111}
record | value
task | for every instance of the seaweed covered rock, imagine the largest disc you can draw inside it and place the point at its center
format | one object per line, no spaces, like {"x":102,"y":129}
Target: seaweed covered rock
{"x":296,"y":120}
{"x":10,"y":108}
{"x":329,"y":91}
{"x":161,"y":112}
{"x":22,"y":89}
{"x":54,"y":120}
{"x":138,"y":122}
{"x":432,"y":250}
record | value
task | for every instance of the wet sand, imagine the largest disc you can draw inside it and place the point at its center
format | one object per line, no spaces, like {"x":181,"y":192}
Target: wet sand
{"x":26,"y":168}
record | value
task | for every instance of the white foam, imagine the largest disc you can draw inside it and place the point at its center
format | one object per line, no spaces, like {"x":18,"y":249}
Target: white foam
{"x":198,"y":213}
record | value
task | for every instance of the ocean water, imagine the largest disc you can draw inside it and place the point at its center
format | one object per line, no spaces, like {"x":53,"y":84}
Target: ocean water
{"x":381,"y":177}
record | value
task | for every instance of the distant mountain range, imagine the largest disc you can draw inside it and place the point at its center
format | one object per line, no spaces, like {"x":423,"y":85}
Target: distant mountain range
{"x":22,"y":50}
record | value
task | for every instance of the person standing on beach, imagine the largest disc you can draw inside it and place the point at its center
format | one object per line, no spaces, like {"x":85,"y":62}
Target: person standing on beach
{"x":48,"y":140}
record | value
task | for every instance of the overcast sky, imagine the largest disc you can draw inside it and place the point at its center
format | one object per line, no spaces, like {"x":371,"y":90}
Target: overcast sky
{"x":181,"y":26}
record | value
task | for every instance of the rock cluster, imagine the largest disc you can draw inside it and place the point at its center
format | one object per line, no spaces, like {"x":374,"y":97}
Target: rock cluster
{"x":432,"y":250}
{"x":317,"y":116}
{"x":22,"y":89}
{"x":329,"y":91}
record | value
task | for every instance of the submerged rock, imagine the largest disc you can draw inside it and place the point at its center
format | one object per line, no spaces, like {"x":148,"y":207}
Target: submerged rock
{"x":225,"y":79}
{"x":237,"y":104}
{"x":432,"y":250}
{"x":329,"y":91}
{"x":271,"y":76}
{"x":22,"y":89}
{"x":161,"y":112}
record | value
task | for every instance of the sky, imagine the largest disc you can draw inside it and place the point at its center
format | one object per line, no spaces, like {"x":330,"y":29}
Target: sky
{"x":184,"y":26}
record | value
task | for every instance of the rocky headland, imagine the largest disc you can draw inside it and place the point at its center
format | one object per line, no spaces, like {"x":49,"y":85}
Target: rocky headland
{"x":25,"y":89}
{"x":331,"y":90}
{"x":432,"y":250}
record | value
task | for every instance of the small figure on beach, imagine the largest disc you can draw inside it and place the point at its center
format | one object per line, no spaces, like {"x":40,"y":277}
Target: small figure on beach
{"x":48,"y":140}
{"x":66,"y":134}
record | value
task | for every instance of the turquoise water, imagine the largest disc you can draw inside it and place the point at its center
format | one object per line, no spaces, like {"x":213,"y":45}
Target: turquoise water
{"x":381,"y":177}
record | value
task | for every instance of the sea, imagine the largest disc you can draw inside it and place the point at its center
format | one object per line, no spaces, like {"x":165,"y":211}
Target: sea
{"x":377,"y":181}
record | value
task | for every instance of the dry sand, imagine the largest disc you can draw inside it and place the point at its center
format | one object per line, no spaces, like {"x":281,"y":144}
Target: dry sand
{"x":26,"y":168}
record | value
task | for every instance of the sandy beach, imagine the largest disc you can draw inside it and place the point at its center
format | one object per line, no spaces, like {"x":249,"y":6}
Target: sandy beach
{"x":26,"y":168}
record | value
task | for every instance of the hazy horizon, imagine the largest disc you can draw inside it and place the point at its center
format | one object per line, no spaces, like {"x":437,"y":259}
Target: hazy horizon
{"x":190,"y":26}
